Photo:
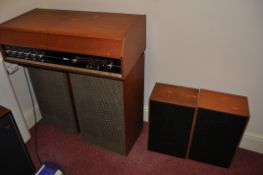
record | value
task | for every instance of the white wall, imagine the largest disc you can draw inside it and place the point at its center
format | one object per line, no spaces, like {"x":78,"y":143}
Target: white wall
{"x":12,"y":8}
{"x":213,"y":44}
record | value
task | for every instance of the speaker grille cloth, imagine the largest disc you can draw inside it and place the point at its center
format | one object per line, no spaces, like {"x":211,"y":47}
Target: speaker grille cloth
{"x":169,"y":128}
{"x":216,"y":137}
{"x":99,"y":104}
{"x":14,"y":156}
{"x":53,"y":97}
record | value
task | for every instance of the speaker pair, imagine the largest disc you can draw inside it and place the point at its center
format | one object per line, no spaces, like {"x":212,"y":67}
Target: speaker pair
{"x":202,"y":125}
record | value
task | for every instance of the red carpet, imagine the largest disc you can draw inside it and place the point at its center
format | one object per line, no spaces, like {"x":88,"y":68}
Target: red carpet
{"x":79,"y":158}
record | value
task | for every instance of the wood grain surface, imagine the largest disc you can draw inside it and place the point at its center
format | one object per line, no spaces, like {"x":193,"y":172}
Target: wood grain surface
{"x":3,"y":111}
{"x":173,"y":94}
{"x":223,"y":102}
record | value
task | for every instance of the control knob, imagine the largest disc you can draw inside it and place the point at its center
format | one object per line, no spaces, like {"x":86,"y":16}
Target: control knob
{"x":26,"y":55}
{"x":74,"y":61}
{"x":109,"y":66}
{"x":7,"y":51}
{"x":13,"y":52}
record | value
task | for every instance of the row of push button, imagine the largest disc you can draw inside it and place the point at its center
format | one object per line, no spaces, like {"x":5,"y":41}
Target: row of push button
{"x":25,"y":53}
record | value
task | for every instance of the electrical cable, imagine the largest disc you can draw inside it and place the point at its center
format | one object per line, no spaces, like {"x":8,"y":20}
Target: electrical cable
{"x":35,"y":118}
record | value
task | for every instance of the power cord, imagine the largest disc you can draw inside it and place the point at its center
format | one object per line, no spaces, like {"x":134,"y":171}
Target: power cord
{"x":35,"y":118}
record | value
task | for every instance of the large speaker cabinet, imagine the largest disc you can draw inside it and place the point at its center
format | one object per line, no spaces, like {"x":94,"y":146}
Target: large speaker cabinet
{"x":86,"y":68}
{"x":201,"y":125}
{"x":14,"y":156}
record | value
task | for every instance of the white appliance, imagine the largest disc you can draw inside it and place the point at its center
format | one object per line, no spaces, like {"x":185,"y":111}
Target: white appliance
{"x":8,"y":99}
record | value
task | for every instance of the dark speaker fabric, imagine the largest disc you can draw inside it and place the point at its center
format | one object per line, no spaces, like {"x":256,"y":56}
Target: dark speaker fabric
{"x":14,"y":157}
{"x":53,"y":96}
{"x":170,"y":127}
{"x":99,"y":105}
{"x":216,"y":137}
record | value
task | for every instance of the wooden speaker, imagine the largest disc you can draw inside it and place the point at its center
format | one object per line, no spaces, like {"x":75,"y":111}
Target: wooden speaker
{"x":14,"y":157}
{"x":53,"y":96}
{"x":220,"y":122}
{"x":172,"y":109}
{"x":201,"y":125}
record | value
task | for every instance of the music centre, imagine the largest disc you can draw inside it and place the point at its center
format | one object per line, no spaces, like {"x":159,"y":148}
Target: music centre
{"x":86,"y":68}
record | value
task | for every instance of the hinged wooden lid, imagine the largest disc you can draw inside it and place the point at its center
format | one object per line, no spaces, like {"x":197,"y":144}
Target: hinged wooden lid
{"x":177,"y":95}
{"x":223,"y":102}
{"x":98,"y":25}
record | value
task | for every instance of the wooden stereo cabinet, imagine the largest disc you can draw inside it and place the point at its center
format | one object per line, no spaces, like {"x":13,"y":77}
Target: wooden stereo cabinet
{"x":105,"y":106}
